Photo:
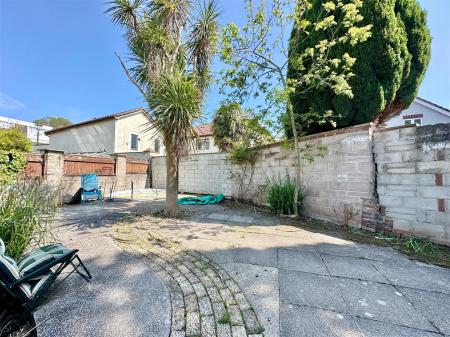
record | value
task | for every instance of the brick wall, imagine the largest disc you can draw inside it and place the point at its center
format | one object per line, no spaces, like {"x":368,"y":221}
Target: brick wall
{"x":64,"y":171}
{"x":413,"y":179}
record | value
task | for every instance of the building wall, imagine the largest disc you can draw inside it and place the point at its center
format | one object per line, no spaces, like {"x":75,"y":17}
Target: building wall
{"x":395,"y":179}
{"x":212,"y":146}
{"x":95,"y":137}
{"x":430,"y":115}
{"x":137,"y":124}
{"x":34,"y":133}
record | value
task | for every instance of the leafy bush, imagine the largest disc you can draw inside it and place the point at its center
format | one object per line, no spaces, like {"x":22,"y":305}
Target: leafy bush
{"x":12,"y":164}
{"x":281,"y":195}
{"x":14,"y":139}
{"x":27,"y":209}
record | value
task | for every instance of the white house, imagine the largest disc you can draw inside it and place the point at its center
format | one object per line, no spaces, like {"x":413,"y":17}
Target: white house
{"x":126,"y":132}
{"x":421,"y":112}
{"x":34,"y":132}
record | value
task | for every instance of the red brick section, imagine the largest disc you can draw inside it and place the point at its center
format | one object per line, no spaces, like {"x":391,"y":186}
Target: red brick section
{"x":76,"y":165}
{"x":441,"y":205}
{"x":438,"y":179}
{"x":137,"y":166}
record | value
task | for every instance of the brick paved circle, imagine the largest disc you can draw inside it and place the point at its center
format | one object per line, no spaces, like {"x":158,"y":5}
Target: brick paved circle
{"x":206,"y":301}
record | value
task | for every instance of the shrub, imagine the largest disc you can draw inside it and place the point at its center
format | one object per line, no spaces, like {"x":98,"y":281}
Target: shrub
{"x":12,"y":164}
{"x":14,"y":139}
{"x":27,"y":209}
{"x":281,"y":195}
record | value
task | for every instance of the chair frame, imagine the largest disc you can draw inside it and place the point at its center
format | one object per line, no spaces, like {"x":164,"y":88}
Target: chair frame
{"x":69,"y":258}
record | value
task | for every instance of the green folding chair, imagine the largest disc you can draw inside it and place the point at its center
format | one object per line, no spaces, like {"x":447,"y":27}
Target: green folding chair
{"x":31,"y":279}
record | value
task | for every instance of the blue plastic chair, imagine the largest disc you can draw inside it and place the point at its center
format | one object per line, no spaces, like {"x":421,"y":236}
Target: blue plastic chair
{"x":90,"y":190}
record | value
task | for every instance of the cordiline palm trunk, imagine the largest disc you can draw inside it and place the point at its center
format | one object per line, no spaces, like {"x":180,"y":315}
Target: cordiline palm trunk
{"x":172,"y":208}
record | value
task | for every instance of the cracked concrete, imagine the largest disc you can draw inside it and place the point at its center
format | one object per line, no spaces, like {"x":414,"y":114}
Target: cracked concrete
{"x":299,"y":283}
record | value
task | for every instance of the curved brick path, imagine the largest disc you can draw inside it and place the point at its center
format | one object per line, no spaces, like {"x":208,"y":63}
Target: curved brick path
{"x":205,"y":300}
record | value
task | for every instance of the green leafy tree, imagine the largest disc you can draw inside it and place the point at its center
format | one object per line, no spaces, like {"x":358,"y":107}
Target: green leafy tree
{"x":388,"y":70}
{"x":257,"y":57}
{"x":228,"y":125}
{"x":14,"y":139}
{"x":171,"y":44}
{"x":54,"y":122}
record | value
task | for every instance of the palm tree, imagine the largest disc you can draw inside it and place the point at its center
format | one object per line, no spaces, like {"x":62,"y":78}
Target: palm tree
{"x":172,"y":43}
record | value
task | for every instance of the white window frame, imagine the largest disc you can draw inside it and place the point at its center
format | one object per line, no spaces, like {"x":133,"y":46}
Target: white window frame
{"x":413,"y":121}
{"x":201,"y":142}
{"x":131,"y":141}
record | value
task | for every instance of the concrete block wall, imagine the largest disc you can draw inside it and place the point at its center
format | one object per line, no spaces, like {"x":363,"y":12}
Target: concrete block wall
{"x":198,"y":173}
{"x":336,"y":185}
{"x":413,"y":179}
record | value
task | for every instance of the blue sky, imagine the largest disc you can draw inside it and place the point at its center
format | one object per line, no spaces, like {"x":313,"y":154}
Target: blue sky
{"x":57,"y":59}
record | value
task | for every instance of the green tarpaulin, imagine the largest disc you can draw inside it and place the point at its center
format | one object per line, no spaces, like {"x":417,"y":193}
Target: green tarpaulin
{"x":207,"y":199}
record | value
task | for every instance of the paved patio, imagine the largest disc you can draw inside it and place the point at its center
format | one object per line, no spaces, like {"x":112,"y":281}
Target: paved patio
{"x":297,"y":282}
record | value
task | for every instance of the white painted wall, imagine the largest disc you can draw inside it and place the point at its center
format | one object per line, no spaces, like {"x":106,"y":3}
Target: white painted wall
{"x":431,"y":114}
{"x":95,"y":137}
{"x":212,"y":147}
{"x":134,"y":124}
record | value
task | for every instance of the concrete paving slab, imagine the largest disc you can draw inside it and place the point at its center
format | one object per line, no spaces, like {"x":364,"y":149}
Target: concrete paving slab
{"x":353,"y":268}
{"x":313,"y":290}
{"x":381,"y":253}
{"x":301,"y":261}
{"x":302,"y":321}
{"x":257,"y":256}
{"x":261,"y":289}
{"x":241,"y":219}
{"x":382,"y":302}
{"x":124,"y":298}
{"x":218,"y":216}
{"x":371,"y":328}
{"x":435,"y":306}
{"x":414,"y":276}
{"x":340,"y":250}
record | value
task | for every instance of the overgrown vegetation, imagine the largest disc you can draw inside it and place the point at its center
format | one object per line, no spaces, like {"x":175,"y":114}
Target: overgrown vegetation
{"x":388,"y":69}
{"x":14,"y":139}
{"x":27,"y":208}
{"x":280,"y":195}
{"x":12,"y":164}
{"x":257,"y":56}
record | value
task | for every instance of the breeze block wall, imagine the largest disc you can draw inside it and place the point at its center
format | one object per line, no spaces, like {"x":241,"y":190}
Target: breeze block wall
{"x":413,"y":179}
{"x":336,"y":185}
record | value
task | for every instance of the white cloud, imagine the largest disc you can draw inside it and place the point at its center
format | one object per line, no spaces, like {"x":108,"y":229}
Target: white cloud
{"x":9,"y":103}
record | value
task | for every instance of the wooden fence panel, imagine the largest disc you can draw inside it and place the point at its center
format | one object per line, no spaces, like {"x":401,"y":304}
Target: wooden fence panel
{"x":137,"y":166}
{"x":34,"y":167}
{"x":76,"y":165}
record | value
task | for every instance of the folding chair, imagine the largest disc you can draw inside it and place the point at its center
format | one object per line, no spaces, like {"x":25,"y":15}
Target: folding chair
{"x":30,"y":280}
{"x":90,"y":190}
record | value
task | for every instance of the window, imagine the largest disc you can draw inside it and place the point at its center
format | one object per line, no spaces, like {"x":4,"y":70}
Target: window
{"x":157,"y":145}
{"x":416,"y":121}
{"x":134,"y":142}
{"x":203,"y":144}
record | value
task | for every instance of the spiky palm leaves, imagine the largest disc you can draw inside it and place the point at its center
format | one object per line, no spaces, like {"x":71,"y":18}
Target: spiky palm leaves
{"x":171,"y":53}
{"x":176,"y":104}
